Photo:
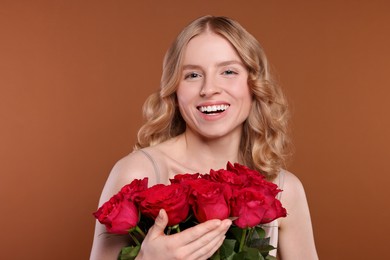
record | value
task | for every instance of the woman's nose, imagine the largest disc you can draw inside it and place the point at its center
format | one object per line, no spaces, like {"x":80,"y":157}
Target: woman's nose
{"x":209,"y":87}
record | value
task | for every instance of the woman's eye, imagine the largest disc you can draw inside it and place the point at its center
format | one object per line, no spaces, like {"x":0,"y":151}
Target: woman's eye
{"x":192,"y":75}
{"x":229,"y":72}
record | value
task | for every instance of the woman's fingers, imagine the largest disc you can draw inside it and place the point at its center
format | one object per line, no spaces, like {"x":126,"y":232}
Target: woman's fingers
{"x":203,"y":239}
{"x":208,"y":229}
{"x":159,"y":225}
{"x":214,"y":248}
{"x":209,"y":249}
{"x":198,"y":242}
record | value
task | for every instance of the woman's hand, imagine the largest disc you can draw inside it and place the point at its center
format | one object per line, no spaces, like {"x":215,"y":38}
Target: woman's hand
{"x":198,"y":242}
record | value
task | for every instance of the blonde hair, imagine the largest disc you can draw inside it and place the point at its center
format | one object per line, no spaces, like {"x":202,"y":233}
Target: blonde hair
{"x":264,"y":141}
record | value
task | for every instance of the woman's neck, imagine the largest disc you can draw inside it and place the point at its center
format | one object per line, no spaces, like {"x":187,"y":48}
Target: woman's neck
{"x":205,"y":154}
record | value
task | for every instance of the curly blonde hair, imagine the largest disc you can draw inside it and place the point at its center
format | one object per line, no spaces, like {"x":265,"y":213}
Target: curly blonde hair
{"x":264,"y":143}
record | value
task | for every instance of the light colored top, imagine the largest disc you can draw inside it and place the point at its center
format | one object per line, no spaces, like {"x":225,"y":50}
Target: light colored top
{"x":271,"y":229}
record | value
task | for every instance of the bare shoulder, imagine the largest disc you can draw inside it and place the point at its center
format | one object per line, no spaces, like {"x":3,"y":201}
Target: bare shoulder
{"x":135,"y":165}
{"x":295,"y":229}
{"x":293,"y":196}
{"x":293,"y":190}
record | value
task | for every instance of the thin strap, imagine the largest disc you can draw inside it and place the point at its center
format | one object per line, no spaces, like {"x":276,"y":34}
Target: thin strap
{"x":156,"y":169}
{"x":281,"y":184}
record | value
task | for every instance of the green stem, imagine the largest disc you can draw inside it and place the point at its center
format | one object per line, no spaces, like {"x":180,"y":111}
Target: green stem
{"x":249,"y":236}
{"x":175,"y":228}
{"x":140,"y":231}
{"x":135,"y":239}
{"x":243,"y":238}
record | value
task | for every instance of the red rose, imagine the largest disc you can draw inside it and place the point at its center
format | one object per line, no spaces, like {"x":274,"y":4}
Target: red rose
{"x":242,"y":170}
{"x":252,"y":176}
{"x":248,"y":206}
{"x":274,"y":211}
{"x":229,"y":177}
{"x":253,"y":207}
{"x":173,"y":198}
{"x":131,"y":190}
{"x":184,"y":177}
{"x":209,"y":200}
{"x":255,"y":179}
{"x":119,"y":214}
{"x":269,"y":189}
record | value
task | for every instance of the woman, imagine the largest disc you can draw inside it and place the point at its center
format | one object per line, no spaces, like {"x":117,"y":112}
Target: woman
{"x":217,"y":103}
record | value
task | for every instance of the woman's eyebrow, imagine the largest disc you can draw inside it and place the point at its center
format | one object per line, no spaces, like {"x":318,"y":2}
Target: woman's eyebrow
{"x":218,"y":64}
{"x":229,"y":62}
{"x":191,"y":67}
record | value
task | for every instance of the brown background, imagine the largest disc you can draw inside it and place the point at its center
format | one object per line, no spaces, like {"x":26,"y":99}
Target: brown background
{"x":74,"y":74}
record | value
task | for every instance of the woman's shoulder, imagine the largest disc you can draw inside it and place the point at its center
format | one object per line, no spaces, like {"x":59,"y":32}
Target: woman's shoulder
{"x":146,"y":162}
{"x":135,"y":165}
{"x":295,"y":229}
{"x":289,"y":180}
{"x":291,"y":185}
{"x":293,"y":193}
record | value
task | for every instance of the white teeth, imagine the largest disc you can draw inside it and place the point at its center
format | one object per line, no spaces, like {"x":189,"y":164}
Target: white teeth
{"x":214,"y":108}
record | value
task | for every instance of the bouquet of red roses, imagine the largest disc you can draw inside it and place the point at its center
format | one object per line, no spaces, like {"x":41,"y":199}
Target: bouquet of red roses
{"x":238,"y":193}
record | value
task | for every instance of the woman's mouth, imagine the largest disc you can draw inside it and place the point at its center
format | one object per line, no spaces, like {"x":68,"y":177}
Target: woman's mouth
{"x":214,"y":109}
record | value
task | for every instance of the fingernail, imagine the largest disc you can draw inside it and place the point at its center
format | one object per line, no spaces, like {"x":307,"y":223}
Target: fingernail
{"x":159,"y":214}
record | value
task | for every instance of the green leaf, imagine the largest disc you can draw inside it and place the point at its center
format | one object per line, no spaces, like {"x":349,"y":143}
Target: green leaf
{"x":226,"y":251}
{"x":266,"y":249}
{"x":237,"y":232}
{"x":248,"y":254}
{"x":129,"y":253}
{"x":270,"y":257}
{"x":259,"y":243}
{"x":215,"y":256}
{"x":260,"y":232}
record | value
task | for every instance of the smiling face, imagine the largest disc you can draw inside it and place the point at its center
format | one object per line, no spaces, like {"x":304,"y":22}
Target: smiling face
{"x":213,"y":94}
